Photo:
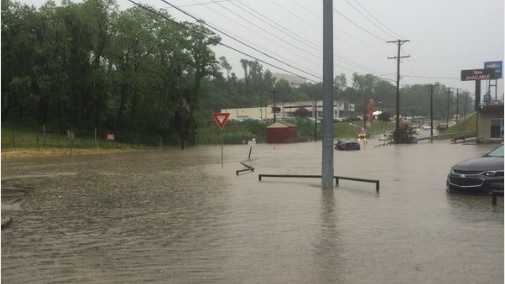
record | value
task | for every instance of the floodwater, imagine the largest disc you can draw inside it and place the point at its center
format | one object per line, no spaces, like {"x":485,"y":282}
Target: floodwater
{"x":176,"y":216}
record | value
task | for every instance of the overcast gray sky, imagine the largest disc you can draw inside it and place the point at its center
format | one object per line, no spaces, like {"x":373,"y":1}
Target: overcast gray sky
{"x":445,"y":36}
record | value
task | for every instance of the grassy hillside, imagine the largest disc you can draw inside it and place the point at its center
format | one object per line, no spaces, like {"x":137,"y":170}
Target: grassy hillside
{"x":467,"y":125}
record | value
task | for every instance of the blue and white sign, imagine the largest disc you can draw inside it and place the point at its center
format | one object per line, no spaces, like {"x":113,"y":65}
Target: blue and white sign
{"x":497,"y":66}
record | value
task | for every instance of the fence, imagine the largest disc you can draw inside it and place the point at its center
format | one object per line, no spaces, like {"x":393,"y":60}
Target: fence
{"x":23,"y":137}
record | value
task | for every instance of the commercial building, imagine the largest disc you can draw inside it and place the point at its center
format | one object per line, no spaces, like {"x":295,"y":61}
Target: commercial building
{"x":341,"y":110}
{"x":490,"y":123}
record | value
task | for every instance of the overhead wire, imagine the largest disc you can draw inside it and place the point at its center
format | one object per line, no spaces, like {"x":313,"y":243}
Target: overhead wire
{"x":203,"y":3}
{"x":281,"y":39}
{"x":236,"y":38}
{"x":274,"y":24}
{"x":369,"y":19}
{"x":315,"y":46}
{"x":358,"y":26}
{"x":223,"y":44}
{"x":376,"y":19}
{"x":246,"y":28}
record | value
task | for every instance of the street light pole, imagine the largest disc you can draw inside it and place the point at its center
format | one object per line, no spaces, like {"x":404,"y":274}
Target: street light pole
{"x":431,"y":114}
{"x":327,"y":163}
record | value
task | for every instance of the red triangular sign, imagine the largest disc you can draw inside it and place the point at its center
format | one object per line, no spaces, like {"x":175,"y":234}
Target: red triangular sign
{"x":220,"y":118}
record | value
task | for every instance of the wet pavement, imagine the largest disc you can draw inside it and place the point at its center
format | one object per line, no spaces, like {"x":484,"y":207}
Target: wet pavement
{"x":177,"y":217}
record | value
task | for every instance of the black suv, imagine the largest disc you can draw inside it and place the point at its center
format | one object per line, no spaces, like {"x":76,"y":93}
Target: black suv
{"x":478,"y":175}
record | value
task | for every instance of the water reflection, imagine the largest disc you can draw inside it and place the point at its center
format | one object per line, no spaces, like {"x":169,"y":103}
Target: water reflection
{"x":460,"y":204}
{"x":327,"y":247}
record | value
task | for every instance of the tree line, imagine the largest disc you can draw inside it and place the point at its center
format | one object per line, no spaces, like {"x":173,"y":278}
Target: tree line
{"x":91,"y":65}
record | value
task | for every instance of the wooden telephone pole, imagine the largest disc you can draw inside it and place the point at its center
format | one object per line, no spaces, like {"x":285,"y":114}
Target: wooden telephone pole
{"x":399,"y":43}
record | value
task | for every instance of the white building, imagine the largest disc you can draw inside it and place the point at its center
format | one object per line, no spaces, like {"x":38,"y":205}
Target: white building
{"x":341,"y":110}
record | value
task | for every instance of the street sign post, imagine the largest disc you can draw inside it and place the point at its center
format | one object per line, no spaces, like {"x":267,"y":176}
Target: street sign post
{"x":221,"y":118}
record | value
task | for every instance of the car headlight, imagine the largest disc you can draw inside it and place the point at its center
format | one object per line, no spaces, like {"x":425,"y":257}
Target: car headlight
{"x":492,"y":173}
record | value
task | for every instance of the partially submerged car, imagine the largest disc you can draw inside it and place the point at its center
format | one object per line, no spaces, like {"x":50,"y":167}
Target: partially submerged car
{"x":478,"y":175}
{"x":347,"y":145}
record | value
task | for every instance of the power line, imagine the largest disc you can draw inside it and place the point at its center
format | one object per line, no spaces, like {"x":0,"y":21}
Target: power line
{"x":203,"y":3}
{"x":236,"y":39}
{"x":249,"y":42}
{"x":220,"y":43}
{"x":297,"y":38}
{"x":368,"y":18}
{"x":255,"y":13}
{"x":358,"y":26}
{"x":376,"y":19}
{"x":432,"y":77}
{"x":267,"y":63}
{"x":343,"y":59}
{"x":346,"y":18}
{"x":267,"y":32}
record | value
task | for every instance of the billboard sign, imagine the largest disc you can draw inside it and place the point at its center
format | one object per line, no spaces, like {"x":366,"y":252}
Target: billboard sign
{"x":497,"y":66}
{"x":477,"y":74}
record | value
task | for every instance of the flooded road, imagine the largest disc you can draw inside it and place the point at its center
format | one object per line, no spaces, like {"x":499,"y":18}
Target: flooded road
{"x":177,"y":217}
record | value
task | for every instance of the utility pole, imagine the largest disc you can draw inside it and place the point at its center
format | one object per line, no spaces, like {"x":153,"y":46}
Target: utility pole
{"x":457,"y":104}
{"x":364,"y":112}
{"x":399,"y":43}
{"x":448,"y":105}
{"x":465,"y":104}
{"x":431,"y":114}
{"x":274,"y":107}
{"x":327,"y":166}
{"x":315,"y":119}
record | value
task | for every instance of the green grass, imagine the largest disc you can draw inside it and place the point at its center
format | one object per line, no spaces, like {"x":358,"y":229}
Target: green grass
{"x":22,"y":138}
{"x":347,"y":129}
{"x":351,"y":129}
{"x":467,"y":125}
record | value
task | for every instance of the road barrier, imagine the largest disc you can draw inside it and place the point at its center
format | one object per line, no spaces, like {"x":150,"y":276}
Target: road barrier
{"x":337,"y":179}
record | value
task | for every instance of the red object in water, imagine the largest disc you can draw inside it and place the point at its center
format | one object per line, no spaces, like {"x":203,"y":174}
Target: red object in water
{"x":281,"y":133}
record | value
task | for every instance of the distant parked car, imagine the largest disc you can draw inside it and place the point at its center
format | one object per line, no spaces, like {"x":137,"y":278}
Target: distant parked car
{"x":482,"y":174}
{"x":347,"y":145}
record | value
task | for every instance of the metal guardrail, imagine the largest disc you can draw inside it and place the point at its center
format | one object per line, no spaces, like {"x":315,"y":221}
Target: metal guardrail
{"x":337,"y":179}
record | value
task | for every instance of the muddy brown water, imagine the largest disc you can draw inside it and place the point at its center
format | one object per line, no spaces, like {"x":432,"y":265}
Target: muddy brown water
{"x":177,"y":217}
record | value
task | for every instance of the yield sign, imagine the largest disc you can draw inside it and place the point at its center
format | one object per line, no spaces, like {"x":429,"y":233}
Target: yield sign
{"x":220,"y":118}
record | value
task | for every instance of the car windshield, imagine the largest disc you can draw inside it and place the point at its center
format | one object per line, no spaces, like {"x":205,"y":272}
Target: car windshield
{"x":498,"y":152}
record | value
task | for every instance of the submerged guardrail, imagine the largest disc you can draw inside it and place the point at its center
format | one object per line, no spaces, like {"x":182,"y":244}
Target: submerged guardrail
{"x":337,"y":178}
